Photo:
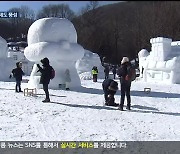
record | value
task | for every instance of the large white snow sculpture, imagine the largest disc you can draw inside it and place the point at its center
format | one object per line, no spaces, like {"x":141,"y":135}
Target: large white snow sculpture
{"x":56,"y":39}
{"x":86,"y":63}
{"x":6,"y":64}
{"x":163,"y":63}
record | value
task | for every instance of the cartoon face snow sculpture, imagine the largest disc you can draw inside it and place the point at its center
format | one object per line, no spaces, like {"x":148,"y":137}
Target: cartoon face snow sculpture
{"x":56,"y":39}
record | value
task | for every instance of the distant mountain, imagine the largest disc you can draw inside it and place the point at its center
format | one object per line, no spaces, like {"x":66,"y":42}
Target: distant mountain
{"x":123,"y":29}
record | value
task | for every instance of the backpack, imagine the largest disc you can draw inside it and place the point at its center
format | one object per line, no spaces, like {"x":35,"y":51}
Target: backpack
{"x":131,"y":74}
{"x":52,"y":73}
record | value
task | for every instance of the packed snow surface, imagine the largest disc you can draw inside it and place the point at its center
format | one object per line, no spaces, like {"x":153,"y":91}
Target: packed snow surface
{"x":79,"y":114}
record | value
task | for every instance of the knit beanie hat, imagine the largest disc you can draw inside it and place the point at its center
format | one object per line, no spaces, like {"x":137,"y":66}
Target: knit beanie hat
{"x":45,"y":61}
{"x":125,"y":59}
{"x":113,"y":86}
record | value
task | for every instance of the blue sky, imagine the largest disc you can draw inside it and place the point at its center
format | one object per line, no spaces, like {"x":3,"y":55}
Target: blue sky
{"x":37,"y":5}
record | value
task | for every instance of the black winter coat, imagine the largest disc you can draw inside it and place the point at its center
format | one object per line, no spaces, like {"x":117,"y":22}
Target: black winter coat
{"x":114,"y":70}
{"x":18,"y":73}
{"x":122,"y":71}
{"x":45,"y":74}
{"x":106,"y":83}
{"x":106,"y":70}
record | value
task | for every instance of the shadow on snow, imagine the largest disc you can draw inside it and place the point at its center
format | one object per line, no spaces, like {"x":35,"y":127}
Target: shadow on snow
{"x":155,"y":94}
{"x":144,"y":108}
{"x":133,"y":93}
{"x":86,"y":106}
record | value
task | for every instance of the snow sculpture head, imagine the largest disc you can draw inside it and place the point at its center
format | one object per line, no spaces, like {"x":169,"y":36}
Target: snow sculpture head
{"x":143,"y":53}
{"x":3,"y":48}
{"x":56,"y":39}
{"x":52,"y":30}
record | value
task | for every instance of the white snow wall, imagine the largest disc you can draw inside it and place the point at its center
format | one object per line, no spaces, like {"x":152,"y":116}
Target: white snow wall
{"x":56,"y":39}
{"x":161,"y":48}
{"x":6,"y":64}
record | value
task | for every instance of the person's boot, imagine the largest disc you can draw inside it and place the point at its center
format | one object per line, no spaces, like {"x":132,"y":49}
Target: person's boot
{"x":106,"y":103}
{"x":115,"y":104}
{"x":120,"y":107}
{"x":128,"y":108}
{"x":46,"y":100}
{"x":20,"y":90}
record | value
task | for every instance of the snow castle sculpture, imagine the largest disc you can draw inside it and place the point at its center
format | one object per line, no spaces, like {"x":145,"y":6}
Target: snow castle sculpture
{"x":56,"y":39}
{"x":5,"y":62}
{"x":163,"y":62}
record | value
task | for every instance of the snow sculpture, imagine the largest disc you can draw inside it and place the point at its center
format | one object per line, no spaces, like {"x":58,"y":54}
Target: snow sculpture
{"x":86,"y":63}
{"x":161,"y":48}
{"x":5,"y":62}
{"x":4,"y":48}
{"x":56,"y":39}
{"x":163,"y":63}
{"x":142,"y":59}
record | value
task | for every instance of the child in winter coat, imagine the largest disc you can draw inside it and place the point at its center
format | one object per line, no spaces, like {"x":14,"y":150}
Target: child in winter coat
{"x":17,"y":73}
{"x":67,"y":78}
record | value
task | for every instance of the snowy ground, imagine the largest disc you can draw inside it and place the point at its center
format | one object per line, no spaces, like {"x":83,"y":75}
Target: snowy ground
{"x":80,"y":115}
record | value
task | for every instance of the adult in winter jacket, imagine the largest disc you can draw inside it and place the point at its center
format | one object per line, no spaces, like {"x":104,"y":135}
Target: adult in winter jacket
{"x":125,"y":84}
{"x":114,"y":71}
{"x":45,"y":76}
{"x":94,"y":73}
{"x":67,"y":78}
{"x":110,"y":87}
{"x":106,"y":72}
{"x":17,"y":74}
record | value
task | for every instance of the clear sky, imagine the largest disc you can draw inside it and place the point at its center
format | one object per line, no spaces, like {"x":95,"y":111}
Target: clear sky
{"x":37,"y":5}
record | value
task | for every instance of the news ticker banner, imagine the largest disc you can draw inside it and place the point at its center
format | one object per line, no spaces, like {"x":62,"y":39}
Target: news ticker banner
{"x":85,"y":147}
{"x":9,"y":14}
